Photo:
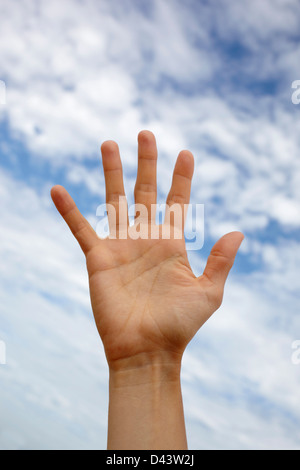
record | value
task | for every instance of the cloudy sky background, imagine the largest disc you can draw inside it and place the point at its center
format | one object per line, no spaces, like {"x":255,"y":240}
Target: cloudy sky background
{"x":210,"y":76}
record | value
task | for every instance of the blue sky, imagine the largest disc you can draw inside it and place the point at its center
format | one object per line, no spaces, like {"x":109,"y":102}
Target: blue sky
{"x":213,"y":77}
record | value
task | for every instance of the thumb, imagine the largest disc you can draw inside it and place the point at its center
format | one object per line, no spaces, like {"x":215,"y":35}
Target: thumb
{"x":221,"y":258}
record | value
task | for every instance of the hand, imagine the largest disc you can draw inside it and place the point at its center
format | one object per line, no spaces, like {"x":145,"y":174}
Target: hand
{"x":146,"y":300}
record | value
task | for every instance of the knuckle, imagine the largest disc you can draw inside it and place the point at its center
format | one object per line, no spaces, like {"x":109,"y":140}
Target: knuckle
{"x":176,"y":199}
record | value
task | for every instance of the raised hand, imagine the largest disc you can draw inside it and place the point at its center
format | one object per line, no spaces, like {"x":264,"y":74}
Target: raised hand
{"x":146,"y":300}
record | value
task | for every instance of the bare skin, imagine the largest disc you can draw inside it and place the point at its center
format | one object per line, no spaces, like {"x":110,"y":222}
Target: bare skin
{"x":147,"y":302}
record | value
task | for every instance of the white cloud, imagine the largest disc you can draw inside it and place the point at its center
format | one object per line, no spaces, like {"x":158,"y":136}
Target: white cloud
{"x":286,"y":211}
{"x":55,"y":363}
{"x":240,"y":375}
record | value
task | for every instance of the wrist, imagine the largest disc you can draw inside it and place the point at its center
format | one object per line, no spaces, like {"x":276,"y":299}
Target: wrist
{"x":145,"y":391}
{"x":143,"y":368}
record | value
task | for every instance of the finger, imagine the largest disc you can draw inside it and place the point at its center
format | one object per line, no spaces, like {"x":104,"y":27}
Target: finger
{"x":221,"y":260}
{"x":79,"y":226}
{"x":181,"y":183}
{"x":146,"y":187}
{"x":115,"y":192}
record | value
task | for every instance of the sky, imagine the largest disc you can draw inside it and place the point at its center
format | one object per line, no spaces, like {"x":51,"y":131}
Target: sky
{"x":211,"y":76}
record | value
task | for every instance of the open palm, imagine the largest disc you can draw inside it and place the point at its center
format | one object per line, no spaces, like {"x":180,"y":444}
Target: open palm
{"x":144,"y":295}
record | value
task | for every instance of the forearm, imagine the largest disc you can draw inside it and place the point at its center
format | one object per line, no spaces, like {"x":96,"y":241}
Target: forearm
{"x":145,"y":406}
